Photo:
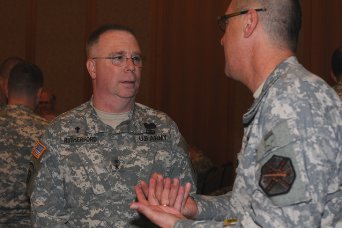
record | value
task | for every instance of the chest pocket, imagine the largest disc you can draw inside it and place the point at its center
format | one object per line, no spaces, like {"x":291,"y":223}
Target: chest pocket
{"x":85,"y":173}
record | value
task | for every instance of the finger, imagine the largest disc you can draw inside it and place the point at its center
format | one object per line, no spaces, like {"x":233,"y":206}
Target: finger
{"x":179,"y":198}
{"x":173,"y":191}
{"x":151,"y":192}
{"x":140,"y":195}
{"x":159,"y":187}
{"x":144,"y":188}
{"x":187,"y":189}
{"x":166,"y":191}
{"x":159,"y":215}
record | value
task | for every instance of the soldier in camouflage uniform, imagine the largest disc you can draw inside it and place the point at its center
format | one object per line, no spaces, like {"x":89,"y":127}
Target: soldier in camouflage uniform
{"x":289,"y":172}
{"x":87,"y":163}
{"x":336,"y":70}
{"x":19,"y":129}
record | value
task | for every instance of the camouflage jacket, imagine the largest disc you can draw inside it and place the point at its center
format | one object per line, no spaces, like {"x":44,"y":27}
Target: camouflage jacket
{"x":19,"y":129}
{"x":87,"y":174}
{"x":289,"y":172}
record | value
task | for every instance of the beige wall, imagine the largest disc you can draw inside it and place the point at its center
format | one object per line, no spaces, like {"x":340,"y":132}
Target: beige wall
{"x":183,"y":72}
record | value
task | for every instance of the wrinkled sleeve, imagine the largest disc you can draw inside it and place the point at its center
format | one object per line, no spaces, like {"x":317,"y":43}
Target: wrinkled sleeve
{"x":182,"y":167}
{"x":47,"y":192}
{"x":213,"y":210}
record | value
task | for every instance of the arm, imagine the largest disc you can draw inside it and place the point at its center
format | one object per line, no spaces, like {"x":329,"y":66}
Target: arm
{"x":181,"y":163}
{"x":47,"y":195}
{"x":151,"y":200}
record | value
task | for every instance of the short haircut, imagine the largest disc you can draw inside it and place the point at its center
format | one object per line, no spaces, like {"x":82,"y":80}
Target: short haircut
{"x":25,"y":79}
{"x":8,"y":64}
{"x":282,"y":20}
{"x":95,"y":35}
{"x":336,"y":63}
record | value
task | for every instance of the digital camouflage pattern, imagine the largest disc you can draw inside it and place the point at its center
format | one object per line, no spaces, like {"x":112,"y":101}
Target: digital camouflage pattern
{"x":88,"y":172}
{"x":297,"y":116}
{"x":338,"y":88}
{"x":19,"y":129}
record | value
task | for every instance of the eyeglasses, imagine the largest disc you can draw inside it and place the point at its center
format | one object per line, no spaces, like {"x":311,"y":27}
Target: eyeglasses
{"x":223,"y":20}
{"x":121,"y":60}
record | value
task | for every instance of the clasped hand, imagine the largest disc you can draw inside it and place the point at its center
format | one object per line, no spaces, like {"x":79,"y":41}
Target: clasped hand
{"x":164,"y":201}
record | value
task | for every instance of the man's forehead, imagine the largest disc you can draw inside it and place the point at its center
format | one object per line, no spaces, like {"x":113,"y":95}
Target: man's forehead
{"x":117,"y":35}
{"x":118,"y":38}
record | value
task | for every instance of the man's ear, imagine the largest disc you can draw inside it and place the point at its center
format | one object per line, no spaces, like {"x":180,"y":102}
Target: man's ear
{"x":91,"y":67}
{"x":251,"y":21}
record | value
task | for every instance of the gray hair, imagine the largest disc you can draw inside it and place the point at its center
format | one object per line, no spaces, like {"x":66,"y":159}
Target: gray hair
{"x":282,"y":19}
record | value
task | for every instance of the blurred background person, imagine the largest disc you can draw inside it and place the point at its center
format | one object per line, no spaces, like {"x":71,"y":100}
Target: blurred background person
{"x":5,"y":69}
{"x":336,"y":70}
{"x":46,"y":105}
{"x":19,"y":129}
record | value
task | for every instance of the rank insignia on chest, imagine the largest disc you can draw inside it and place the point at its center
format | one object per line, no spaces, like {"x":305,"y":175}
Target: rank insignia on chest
{"x":150,"y":128}
{"x":38,"y":149}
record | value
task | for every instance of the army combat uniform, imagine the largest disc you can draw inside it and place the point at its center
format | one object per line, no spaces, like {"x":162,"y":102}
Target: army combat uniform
{"x":19,"y":129}
{"x":289,"y":172}
{"x":85,"y":171}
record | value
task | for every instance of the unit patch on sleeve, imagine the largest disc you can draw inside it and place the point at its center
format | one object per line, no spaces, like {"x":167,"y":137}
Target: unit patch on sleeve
{"x":38,"y":150}
{"x":277,"y":176}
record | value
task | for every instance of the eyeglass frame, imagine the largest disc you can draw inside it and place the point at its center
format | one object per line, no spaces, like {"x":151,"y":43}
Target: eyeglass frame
{"x":123,"y":64}
{"x":222,"y":21}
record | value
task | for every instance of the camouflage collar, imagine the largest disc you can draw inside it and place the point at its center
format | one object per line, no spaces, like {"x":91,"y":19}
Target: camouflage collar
{"x":280,"y":70}
{"x":18,"y":107}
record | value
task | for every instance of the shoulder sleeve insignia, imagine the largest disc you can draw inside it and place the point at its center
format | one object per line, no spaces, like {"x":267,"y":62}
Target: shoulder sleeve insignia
{"x":38,"y":150}
{"x":277,"y":176}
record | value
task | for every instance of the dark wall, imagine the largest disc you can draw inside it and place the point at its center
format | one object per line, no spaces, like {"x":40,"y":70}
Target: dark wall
{"x":183,"y":72}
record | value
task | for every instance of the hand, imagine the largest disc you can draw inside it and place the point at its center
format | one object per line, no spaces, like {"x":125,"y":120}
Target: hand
{"x":162,"y":216}
{"x":150,"y":197}
{"x":166,"y":192}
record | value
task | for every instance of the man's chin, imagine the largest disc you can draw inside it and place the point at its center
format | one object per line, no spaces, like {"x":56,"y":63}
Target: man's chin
{"x":128,"y":95}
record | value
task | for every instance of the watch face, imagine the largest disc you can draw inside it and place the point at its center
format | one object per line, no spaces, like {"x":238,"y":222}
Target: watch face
{"x":277,"y":176}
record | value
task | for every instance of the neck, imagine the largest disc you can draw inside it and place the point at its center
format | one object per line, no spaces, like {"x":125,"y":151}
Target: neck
{"x":118,"y":105}
{"x":263,"y":63}
{"x":22,"y":101}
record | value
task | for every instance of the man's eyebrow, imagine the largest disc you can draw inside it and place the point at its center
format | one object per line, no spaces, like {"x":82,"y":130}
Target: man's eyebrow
{"x":117,"y":53}
{"x":124,"y":53}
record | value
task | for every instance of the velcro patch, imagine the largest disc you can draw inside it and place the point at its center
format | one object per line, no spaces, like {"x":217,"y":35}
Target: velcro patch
{"x":277,"y":176}
{"x":38,"y":150}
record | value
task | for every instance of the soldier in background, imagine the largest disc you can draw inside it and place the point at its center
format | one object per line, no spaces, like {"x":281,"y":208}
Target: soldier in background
{"x":46,"y":105}
{"x":88,"y":161}
{"x":19,"y":129}
{"x":336,"y":70}
{"x":5,"y":69}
